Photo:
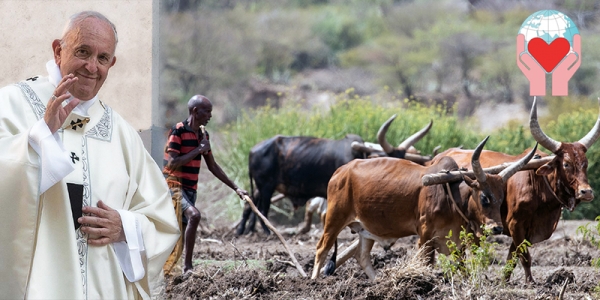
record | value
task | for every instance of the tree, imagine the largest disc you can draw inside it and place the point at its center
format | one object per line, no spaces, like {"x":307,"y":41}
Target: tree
{"x":462,"y":50}
{"x":206,"y":54}
{"x":180,"y":5}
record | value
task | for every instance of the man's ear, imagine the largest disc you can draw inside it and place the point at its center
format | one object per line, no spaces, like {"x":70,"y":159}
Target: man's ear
{"x":113,"y":61}
{"x":56,"y":49}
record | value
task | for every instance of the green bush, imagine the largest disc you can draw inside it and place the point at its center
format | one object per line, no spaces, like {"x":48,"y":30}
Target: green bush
{"x":468,"y":260}
{"x":339,"y":32}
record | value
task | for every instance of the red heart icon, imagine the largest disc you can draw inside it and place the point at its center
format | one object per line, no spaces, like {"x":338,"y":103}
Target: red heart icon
{"x":548,"y":55}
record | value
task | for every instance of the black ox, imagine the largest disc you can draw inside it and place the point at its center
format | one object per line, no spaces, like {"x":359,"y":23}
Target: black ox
{"x":300,"y":167}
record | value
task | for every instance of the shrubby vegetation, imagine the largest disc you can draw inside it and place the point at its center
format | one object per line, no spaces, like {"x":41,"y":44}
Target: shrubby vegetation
{"x":468,"y":261}
{"x":426,"y":49}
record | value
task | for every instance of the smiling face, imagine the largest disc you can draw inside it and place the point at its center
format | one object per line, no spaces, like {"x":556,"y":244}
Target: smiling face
{"x":86,"y":51}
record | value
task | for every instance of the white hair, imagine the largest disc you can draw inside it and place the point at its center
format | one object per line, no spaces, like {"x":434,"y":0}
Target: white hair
{"x":79,"y":17}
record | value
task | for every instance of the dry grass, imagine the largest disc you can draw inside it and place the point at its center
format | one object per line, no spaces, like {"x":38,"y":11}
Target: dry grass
{"x":409,"y":278}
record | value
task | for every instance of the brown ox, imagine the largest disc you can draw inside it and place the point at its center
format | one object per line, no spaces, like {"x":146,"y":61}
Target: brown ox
{"x":383,"y":200}
{"x":534,"y":198}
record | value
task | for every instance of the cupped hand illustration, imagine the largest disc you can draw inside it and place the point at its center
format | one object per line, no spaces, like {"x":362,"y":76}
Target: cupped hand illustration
{"x":531,"y":69}
{"x":566,"y":68}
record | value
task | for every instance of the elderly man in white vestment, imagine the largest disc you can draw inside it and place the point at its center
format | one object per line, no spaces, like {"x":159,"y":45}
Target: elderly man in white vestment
{"x":85,"y":210}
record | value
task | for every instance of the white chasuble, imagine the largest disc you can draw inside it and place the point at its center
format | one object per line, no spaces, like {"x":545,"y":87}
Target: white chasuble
{"x":43,"y":253}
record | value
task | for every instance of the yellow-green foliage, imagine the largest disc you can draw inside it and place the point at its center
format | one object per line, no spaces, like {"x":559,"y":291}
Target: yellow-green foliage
{"x":469,"y":259}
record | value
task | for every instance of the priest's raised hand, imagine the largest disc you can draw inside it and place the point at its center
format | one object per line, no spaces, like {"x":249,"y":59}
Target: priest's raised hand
{"x":56,"y":113}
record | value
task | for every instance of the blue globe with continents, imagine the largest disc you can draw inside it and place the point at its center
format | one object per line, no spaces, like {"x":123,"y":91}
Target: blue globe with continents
{"x":548,"y":25}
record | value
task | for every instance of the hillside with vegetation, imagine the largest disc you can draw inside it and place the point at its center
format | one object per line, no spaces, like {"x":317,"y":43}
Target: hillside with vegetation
{"x":328,"y":68}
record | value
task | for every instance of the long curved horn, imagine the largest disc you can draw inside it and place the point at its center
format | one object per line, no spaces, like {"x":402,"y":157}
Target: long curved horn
{"x":589,"y":139}
{"x":517,"y":166}
{"x":387,"y":147}
{"x":477,"y":169}
{"x":373,"y":146}
{"x":537,"y":132}
{"x":415,"y":137}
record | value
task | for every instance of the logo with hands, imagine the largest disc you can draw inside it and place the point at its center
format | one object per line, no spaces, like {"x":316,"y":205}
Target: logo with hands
{"x":548,"y":43}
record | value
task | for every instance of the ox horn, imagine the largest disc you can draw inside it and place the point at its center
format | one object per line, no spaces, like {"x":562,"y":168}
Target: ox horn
{"x":415,"y":137}
{"x":436,"y":150}
{"x":477,"y":169}
{"x":358,"y":146}
{"x":517,"y":166}
{"x":589,"y":139}
{"x":537,"y":132}
{"x":387,"y":147}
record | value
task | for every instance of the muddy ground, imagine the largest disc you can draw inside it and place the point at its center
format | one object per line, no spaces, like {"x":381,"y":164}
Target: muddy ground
{"x":257,"y":266}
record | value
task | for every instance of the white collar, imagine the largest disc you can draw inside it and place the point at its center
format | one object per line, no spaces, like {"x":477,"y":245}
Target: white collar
{"x":54,"y":77}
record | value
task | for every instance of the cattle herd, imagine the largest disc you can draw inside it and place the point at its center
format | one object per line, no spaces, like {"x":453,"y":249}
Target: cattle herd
{"x":383,"y":193}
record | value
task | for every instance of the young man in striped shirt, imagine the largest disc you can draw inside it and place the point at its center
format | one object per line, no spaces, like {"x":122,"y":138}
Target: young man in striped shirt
{"x":186,"y":146}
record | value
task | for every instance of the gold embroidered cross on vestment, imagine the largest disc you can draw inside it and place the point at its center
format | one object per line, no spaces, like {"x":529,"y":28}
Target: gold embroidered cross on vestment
{"x":79,"y":123}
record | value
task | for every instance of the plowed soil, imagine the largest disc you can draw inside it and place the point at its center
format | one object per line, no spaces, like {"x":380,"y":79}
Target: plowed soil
{"x":257,"y":266}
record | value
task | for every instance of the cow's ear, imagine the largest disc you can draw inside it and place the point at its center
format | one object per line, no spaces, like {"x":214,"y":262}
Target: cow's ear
{"x":544,"y":170}
{"x":470,"y":182}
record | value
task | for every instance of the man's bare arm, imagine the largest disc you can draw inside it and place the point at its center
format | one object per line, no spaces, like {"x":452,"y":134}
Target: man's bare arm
{"x":214,"y":168}
{"x":175,"y":160}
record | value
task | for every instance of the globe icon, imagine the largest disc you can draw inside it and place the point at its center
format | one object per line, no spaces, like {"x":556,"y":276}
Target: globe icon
{"x":548,"y":25}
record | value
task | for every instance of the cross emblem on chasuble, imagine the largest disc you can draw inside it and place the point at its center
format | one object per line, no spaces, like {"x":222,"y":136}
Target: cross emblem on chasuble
{"x":79,"y":123}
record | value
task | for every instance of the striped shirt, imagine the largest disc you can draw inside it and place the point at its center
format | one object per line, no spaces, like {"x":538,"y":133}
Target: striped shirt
{"x":182,"y":140}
